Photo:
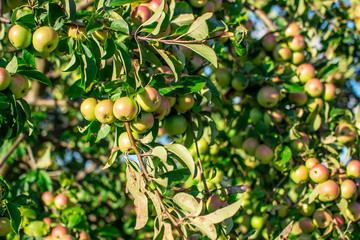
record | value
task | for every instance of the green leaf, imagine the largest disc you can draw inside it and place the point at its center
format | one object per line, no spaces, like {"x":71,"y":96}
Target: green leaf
{"x":117,"y":3}
{"x":120,"y":25}
{"x":37,"y":229}
{"x":141,"y":209}
{"x":286,"y":232}
{"x":203,"y":50}
{"x":188,"y":203}
{"x":125,"y":57}
{"x":4,"y":188}
{"x":45,"y":160}
{"x":199,"y":29}
{"x":36,"y":75}
{"x":155,"y":16}
{"x":44,"y":180}
{"x":73,"y":64}
{"x":160,"y":152}
{"x":205,"y":226}
{"x":224,"y":213}
{"x":172,"y":62}
{"x":182,"y":152}
{"x":12,"y":65}
{"x":70,"y":8}
{"x":4,"y":102}
{"x":103,"y":132}
{"x":15,"y":216}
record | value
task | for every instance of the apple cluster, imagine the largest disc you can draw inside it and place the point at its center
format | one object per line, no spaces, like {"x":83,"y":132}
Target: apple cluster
{"x":16,"y":83}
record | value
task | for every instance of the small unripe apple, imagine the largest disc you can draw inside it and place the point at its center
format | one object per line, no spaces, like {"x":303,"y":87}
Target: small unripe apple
{"x":61,"y":201}
{"x":198,"y":3}
{"x":58,"y":232}
{"x":19,"y":85}
{"x":19,"y":37}
{"x":238,"y":84}
{"x":297,"y":145}
{"x":255,"y":115}
{"x":297,"y":43}
{"x":338,"y":219}
{"x":353,"y":169}
{"x":175,"y":124}
{"x":319,"y":173}
{"x":307,"y":209}
{"x":328,"y":191}
{"x":143,"y":122}
{"x":140,"y":14}
{"x":264,"y":153}
{"x":45,"y":40}
{"x":297,"y":58}
{"x":125,"y":109}
{"x":47,"y":220}
{"x":84,"y":236}
{"x":269,"y":42}
{"x":329,"y":92}
{"x":257,"y":222}
{"x":186,"y":51}
{"x":172,"y":100}
{"x":5,"y":226}
{"x":223,"y":77}
{"x":124,"y":143}
{"x":213,"y":203}
{"x":149,"y":100}
{"x":283,"y":210}
{"x":163,"y":110}
{"x":5,"y":79}
{"x":184,"y":103}
{"x":47,"y":197}
{"x":314,"y":87}
{"x":315,"y":103}
{"x":87,"y":108}
{"x":348,"y":189}
{"x":267,"y":97}
{"x":196,"y":63}
{"x":292,"y":29}
{"x":77,"y":33}
{"x":353,"y":211}
{"x":299,"y":174}
{"x":299,"y":98}
{"x":345,"y":133}
{"x":209,"y":7}
{"x":104,"y":111}
{"x":250,"y":145}
{"x":307,"y":225}
{"x":305,"y":72}
{"x":311,"y":162}
{"x":322,"y":218}
{"x":282,"y":53}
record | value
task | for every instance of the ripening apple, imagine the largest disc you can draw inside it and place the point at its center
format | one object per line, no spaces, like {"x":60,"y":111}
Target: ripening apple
{"x":5,"y":79}
{"x":328,"y":191}
{"x":297,"y":58}
{"x":353,"y":169}
{"x":155,"y":4}
{"x":19,"y":85}
{"x":47,"y":220}
{"x":203,"y":146}
{"x":329,"y":92}
{"x":59,"y":232}
{"x":5,"y":226}
{"x":196,"y":63}
{"x":292,"y":29}
{"x":140,"y":14}
{"x":61,"y":201}
{"x":267,"y":97}
{"x":298,"y":98}
{"x":250,"y":145}
{"x":87,"y":108}
{"x":19,"y":37}
{"x":163,"y":110}
{"x":143,"y":122}
{"x":345,"y":133}
{"x":104,"y":111}
{"x":238,"y":84}
{"x":338,"y":219}
{"x":184,"y":103}
{"x":125,"y":109}
{"x":311,"y":162}
{"x":15,"y":3}
{"x":305,"y":72}
{"x":264,"y":153}
{"x":213,"y":203}
{"x":319,"y":173}
{"x":77,"y":33}
{"x":223,"y":77}
{"x":282,"y":53}
{"x":45,"y":40}
{"x":124,"y":143}
{"x":348,"y":189}
{"x":23,"y":11}
{"x":257,"y":222}
{"x":209,"y":7}
{"x":297,"y":43}
{"x":307,"y":225}
{"x":84,"y":236}
{"x":322,"y":218}
{"x":315,"y":103}
{"x":218,"y":4}
{"x":353,"y":211}
{"x":297,"y":145}
{"x":172,"y":100}
{"x":175,"y":124}
{"x":47,"y":197}
{"x":314,"y":87}
{"x":269,"y":42}
{"x":164,"y":69}
{"x":149,"y":100}
{"x":198,"y":3}
{"x":186,"y":51}
{"x":307,"y":209}
{"x":255,"y":115}
{"x":299,"y":174}
{"x":67,"y":237}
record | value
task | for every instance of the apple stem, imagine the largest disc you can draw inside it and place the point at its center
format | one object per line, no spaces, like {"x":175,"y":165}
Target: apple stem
{"x":147,"y":179}
{"x":188,"y":116}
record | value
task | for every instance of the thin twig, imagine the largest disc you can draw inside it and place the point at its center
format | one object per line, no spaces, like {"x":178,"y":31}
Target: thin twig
{"x":262,"y":15}
{"x":32,"y":162}
{"x":281,"y":181}
{"x":5,"y":20}
{"x":188,"y":116}
{"x":13,"y":147}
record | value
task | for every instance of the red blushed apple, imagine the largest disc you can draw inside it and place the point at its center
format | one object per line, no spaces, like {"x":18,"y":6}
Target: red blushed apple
{"x":58,"y":232}
{"x":269,"y":42}
{"x":140,"y":14}
{"x":338,"y":219}
{"x":307,"y":225}
{"x":297,"y":43}
{"x":267,"y":97}
{"x":348,"y":189}
{"x":264,"y":153}
{"x":104,"y":111}
{"x":196,"y":63}
{"x":305,"y":72}
{"x":213,"y":203}
{"x":19,"y":85}
{"x":353,"y":169}
{"x":328,"y":191}
{"x":353,"y":211}
{"x":125,"y":109}
{"x":61,"y":201}
{"x":329,"y":92}
{"x":299,"y":174}
{"x":322,"y":218}
{"x":297,"y":58}
{"x":84,"y":236}
{"x":314,"y":87}
{"x":47,"y":197}
{"x":282,"y":53}
{"x":311,"y":162}
{"x":250,"y":145}
{"x":345,"y":133}
{"x":149,"y":100}
{"x":298,"y":98}
{"x":47,"y":220}
{"x":163,"y":110}
{"x":319,"y":173}
{"x":209,"y":7}
{"x":292,"y":29}
{"x":155,"y":4}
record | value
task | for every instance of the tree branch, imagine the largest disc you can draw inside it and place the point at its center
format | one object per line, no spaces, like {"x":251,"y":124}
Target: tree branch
{"x":262,"y":15}
{"x":13,"y":147}
{"x":32,"y":162}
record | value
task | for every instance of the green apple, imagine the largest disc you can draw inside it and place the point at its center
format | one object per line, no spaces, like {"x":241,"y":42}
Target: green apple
{"x":238,"y":84}
{"x":125,"y":109}
{"x":315,"y":103}
{"x":298,"y":98}
{"x":198,"y":3}
{"x":124,"y":143}
{"x":257,"y":222}
{"x":142,"y":123}
{"x":163,"y":110}
{"x":77,"y":33}
{"x":184,"y":103}
{"x":353,"y":211}
{"x":19,"y":85}
{"x":297,"y":43}
{"x":267,"y":97}
{"x":299,"y":174}
{"x":45,"y":40}
{"x":250,"y":145}
{"x":282,"y":53}
{"x":310,"y":162}
{"x":104,"y":111}
{"x":175,"y":124}
{"x":87,"y":108}
{"x":223,"y":77}
{"x":264,"y":153}
{"x":255,"y":115}
{"x":19,"y":37}
{"x":297,"y":58}
{"x":149,"y":100}
{"x":307,"y":209}
{"x":329,"y":92}
{"x":5,"y":79}
{"x":5,"y":226}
